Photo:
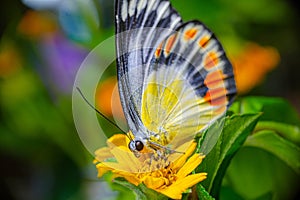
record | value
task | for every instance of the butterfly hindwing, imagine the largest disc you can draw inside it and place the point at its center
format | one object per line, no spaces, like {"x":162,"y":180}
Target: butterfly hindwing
{"x":190,"y":87}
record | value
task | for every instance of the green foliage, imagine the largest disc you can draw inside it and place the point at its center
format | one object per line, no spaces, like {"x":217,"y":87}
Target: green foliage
{"x":273,"y":109}
{"x":264,"y":134}
{"x":267,"y":167}
{"x":235,"y":131}
{"x":141,"y":192}
{"x":278,"y":130}
{"x":254,"y":172}
{"x":285,"y":150}
{"x":202,"y":193}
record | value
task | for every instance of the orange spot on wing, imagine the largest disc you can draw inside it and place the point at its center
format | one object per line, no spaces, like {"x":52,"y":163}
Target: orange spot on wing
{"x":210,"y":60}
{"x":158,"y":50}
{"x":203,"y":41}
{"x":190,"y":34}
{"x":214,"y":79}
{"x":170,"y":43}
{"x":216,"y":93}
{"x":216,"y":97}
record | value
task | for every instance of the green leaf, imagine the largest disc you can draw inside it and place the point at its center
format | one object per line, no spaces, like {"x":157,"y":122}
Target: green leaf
{"x":270,"y":155}
{"x":141,"y":191}
{"x":289,"y":132}
{"x":202,"y":193}
{"x":280,"y":147}
{"x":151,"y":194}
{"x":265,"y":196}
{"x":229,"y":193}
{"x":254,"y":172}
{"x":273,"y":109}
{"x":137,"y":191}
{"x":235,"y":131}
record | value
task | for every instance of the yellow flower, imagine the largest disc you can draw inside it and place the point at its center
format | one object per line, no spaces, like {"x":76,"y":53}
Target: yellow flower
{"x":171,"y":180}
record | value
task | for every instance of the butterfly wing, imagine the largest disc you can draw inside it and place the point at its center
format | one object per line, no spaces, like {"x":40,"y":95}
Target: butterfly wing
{"x":140,"y":26}
{"x":174,"y":78}
{"x":190,"y":87}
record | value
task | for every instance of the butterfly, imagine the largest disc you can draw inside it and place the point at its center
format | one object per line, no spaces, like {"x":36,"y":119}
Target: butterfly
{"x":174,"y":77}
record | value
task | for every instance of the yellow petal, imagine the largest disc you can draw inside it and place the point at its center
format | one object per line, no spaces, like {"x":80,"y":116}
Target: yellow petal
{"x":126,"y":160}
{"x":102,"y":169}
{"x":175,"y":190}
{"x":102,"y":154}
{"x":180,"y":161}
{"x":153,"y":182}
{"x":190,"y":165}
{"x":118,"y":140}
{"x":132,"y":178}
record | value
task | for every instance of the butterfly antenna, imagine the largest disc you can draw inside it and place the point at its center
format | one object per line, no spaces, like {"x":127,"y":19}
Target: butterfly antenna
{"x":101,"y":114}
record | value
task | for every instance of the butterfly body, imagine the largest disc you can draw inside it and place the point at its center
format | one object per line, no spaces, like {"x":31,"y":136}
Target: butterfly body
{"x":174,"y":78}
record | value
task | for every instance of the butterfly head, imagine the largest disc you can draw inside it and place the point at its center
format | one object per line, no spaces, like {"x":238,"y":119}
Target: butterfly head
{"x":136,"y":145}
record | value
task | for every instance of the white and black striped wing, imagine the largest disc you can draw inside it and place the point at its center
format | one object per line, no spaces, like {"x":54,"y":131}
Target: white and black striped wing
{"x":141,"y":25}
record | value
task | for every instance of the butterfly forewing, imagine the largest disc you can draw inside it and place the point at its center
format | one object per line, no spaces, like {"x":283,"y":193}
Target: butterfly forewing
{"x":140,"y":26}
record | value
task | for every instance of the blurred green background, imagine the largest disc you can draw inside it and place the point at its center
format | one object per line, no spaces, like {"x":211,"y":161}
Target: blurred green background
{"x":42,"y":45}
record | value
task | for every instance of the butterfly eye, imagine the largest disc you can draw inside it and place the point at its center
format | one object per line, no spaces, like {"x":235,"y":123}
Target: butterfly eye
{"x":139,"y":145}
